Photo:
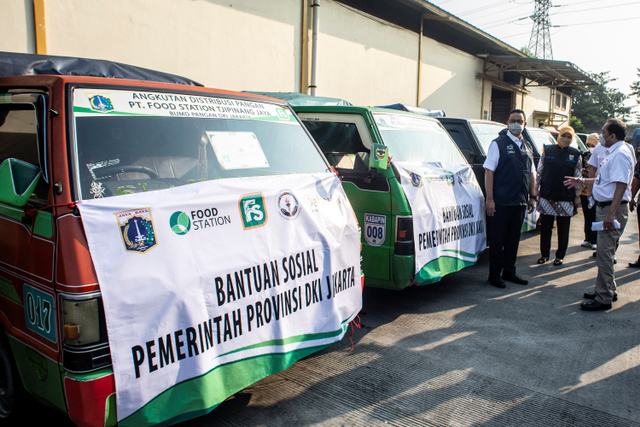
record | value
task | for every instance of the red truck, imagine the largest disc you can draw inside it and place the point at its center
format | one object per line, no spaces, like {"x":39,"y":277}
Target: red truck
{"x":77,"y":135}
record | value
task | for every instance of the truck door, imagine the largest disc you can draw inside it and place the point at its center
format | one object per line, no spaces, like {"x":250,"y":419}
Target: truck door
{"x":463,"y":137}
{"x":27,"y":299}
{"x":345,"y":140}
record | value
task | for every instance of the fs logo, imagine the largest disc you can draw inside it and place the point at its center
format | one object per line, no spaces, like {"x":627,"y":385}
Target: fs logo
{"x":180,"y":223}
{"x":449,"y":178}
{"x":282,"y":113}
{"x":252,"y":210}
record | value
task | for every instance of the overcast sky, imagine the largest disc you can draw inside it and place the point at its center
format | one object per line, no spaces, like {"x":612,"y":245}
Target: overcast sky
{"x":595,"y":35}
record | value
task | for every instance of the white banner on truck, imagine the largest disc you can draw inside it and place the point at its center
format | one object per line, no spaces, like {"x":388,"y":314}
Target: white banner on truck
{"x":89,"y":102}
{"x":199,"y":277}
{"x":448,"y":212}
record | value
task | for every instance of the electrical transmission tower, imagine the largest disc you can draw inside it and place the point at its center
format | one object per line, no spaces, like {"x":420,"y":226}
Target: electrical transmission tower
{"x":540,"y":41}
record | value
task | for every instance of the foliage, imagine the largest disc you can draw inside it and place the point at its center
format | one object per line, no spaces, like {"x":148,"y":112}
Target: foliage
{"x":577,"y":125}
{"x":527,"y":52}
{"x":635,"y":91}
{"x":600,"y":102}
{"x":635,"y":88}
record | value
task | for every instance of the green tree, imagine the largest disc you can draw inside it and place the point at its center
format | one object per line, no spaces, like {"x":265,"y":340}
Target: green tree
{"x":577,"y":125}
{"x":635,"y":91}
{"x":635,"y":88}
{"x":600,"y":102}
{"x":527,"y":52}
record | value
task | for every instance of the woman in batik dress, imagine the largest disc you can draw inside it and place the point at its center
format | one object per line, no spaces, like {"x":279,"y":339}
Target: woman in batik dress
{"x":557,"y":203}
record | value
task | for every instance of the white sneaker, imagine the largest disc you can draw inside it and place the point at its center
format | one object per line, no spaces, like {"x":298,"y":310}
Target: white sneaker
{"x":586,"y":244}
{"x":593,"y":247}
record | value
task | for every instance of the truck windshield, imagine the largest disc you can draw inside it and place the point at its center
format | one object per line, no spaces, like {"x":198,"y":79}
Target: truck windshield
{"x":486,"y":132}
{"x":132,"y":141}
{"x":412,"y":139}
{"x":540,"y":137}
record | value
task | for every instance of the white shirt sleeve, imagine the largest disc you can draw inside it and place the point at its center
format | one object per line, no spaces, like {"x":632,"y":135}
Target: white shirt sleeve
{"x":593,"y":160}
{"x":621,"y":169}
{"x":493,"y":156}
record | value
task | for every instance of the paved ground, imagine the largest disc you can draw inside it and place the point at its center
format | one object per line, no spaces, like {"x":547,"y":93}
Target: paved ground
{"x":463,"y":353}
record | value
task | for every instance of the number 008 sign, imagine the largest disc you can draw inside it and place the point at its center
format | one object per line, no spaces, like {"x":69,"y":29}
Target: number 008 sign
{"x":375,"y":229}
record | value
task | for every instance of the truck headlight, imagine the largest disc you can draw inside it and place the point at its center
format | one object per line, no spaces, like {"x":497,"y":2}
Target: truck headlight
{"x":81,"y":321}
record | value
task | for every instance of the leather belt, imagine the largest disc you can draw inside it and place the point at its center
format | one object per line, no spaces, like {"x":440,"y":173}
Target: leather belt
{"x":603,"y":204}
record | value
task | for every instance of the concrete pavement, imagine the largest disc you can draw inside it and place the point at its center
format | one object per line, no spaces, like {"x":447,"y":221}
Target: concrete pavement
{"x":464,"y":353}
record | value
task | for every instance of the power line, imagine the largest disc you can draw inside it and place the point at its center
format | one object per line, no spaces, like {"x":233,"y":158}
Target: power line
{"x":522,"y":18}
{"x":598,"y":22}
{"x":571,"y":25}
{"x":597,"y":8}
{"x":578,"y":4}
{"x":489,"y":6}
{"x":506,"y":20}
{"x":494,"y":13}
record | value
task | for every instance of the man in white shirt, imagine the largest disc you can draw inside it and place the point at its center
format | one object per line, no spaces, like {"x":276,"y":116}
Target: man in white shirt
{"x":611,"y":190}
{"x":597,"y":156}
{"x":510,"y":185}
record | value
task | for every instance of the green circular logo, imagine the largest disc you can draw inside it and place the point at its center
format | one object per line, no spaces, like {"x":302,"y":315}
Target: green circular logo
{"x":180,"y":223}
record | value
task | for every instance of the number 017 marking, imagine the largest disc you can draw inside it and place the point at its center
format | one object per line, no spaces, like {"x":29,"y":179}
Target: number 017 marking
{"x":39,"y":312}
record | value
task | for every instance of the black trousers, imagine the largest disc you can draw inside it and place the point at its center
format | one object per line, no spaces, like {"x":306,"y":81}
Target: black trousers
{"x":546,"y":228}
{"x":638,"y":215}
{"x":589,"y":217}
{"x":504,"y":239}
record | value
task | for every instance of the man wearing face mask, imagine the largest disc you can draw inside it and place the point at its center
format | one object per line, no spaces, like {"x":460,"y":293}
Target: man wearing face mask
{"x":556,"y":201}
{"x":597,"y":156}
{"x":510,"y":186}
{"x":612,"y":192}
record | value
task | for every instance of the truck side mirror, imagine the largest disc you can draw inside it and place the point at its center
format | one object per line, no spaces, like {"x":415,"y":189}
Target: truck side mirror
{"x":379,"y":156}
{"x":18,"y":179}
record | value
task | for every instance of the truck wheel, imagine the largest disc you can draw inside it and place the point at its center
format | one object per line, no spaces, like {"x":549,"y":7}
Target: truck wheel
{"x":7,"y":379}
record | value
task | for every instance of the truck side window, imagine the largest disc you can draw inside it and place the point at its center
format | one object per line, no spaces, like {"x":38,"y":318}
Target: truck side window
{"x":19,"y":138}
{"x":340,"y":143}
{"x":461,"y":139}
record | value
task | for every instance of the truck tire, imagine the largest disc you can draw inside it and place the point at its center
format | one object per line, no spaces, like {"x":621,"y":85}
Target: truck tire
{"x":8,"y":379}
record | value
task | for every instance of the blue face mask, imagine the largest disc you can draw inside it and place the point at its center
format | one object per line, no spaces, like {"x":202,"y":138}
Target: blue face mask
{"x":601,"y":140}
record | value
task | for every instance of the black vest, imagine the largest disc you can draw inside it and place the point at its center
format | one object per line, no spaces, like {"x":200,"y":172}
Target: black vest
{"x":558,"y":163}
{"x":511,"y":178}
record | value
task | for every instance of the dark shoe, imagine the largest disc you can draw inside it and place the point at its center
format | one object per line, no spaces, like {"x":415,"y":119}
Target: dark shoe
{"x":635,"y":264}
{"x":592,"y":295}
{"x":594,"y":254}
{"x":497,"y":282}
{"x":515,"y":279}
{"x":594,"y":305}
{"x":543,"y":259}
{"x":557,"y":262}
{"x":615,"y":260}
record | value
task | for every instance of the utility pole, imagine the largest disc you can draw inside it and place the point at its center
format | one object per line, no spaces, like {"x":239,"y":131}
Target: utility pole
{"x":540,"y":41}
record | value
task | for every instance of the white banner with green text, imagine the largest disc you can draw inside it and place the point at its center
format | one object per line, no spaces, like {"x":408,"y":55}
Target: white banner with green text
{"x":212,"y":286}
{"x":448,"y":217}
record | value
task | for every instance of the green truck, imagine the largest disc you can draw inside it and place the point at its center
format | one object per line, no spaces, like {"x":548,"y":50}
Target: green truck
{"x":421,"y":209}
